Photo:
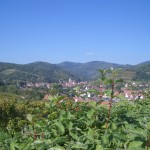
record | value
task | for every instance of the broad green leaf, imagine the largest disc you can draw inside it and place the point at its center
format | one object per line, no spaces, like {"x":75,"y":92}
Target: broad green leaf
{"x":78,"y":146}
{"x":70,"y":126}
{"x":54,"y":132}
{"x":62,"y":112}
{"x":105,"y":140}
{"x":92,"y":103}
{"x":4,"y":136}
{"x":48,"y":141}
{"x":60,"y":98}
{"x":69,"y":115}
{"x":36,"y":125}
{"x":90,"y":137}
{"x":29,"y":117}
{"x":90,"y":113}
{"x":138,"y":132}
{"x":57,"y":148}
{"x":108,"y":92}
{"x":38,"y":142}
{"x":113,"y":126}
{"x":119,"y":80}
{"x":26,"y":145}
{"x":73,"y":135}
{"x":148,"y":125}
{"x":109,"y":81}
{"x":13,"y":146}
{"x":120,"y":136}
{"x":135,"y":144}
{"x":60,"y":127}
{"x":119,"y":111}
{"x":60,"y":139}
{"x":99,"y":147}
{"x":103,"y":72}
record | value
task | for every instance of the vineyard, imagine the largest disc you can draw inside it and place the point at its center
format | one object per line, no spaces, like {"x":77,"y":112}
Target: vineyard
{"x":62,"y":124}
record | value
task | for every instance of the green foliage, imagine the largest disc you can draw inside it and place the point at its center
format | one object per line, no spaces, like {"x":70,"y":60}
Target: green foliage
{"x":62,"y":124}
{"x":142,"y":76}
{"x":87,"y":71}
{"x":69,"y":125}
{"x":42,"y":71}
{"x":25,"y":93}
{"x":56,"y":89}
{"x":33,"y":72}
{"x":142,"y":72}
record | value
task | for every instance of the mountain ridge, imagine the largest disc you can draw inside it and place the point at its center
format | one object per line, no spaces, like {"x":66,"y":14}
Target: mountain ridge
{"x":40,"y":71}
{"x":33,"y":72}
{"x":88,"y":70}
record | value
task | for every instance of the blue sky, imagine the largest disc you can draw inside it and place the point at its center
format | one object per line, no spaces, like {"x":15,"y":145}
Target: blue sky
{"x":54,"y":31}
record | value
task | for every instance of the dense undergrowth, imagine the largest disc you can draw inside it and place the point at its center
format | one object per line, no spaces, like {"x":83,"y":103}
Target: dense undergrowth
{"x":67,"y":125}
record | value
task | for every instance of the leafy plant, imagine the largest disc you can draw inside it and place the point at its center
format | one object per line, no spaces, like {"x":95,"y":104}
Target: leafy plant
{"x":62,"y":124}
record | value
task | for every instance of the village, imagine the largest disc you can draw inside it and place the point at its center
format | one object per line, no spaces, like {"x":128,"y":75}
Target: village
{"x":128,"y":91}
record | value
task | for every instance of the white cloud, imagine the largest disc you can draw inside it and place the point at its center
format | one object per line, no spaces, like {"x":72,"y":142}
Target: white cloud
{"x":89,"y":53}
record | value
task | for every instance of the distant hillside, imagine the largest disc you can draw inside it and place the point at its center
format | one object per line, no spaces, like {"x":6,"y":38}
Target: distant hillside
{"x":33,"y":72}
{"x":142,"y":71}
{"x":145,"y":66}
{"x":46,"y":72}
{"x":88,"y":71}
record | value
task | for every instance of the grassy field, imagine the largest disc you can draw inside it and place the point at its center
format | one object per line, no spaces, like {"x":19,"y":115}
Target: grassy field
{"x":8,"y":71}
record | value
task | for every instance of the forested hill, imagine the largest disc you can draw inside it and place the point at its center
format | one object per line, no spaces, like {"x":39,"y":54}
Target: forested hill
{"x":88,"y":71}
{"x":142,"y":71}
{"x":46,"y":72}
{"x":33,"y":72}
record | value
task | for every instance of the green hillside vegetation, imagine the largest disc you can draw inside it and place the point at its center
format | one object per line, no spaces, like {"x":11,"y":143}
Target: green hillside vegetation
{"x":8,"y":96}
{"x":145,"y":67}
{"x":46,"y":72}
{"x":128,"y":74}
{"x":142,"y":71}
{"x":8,"y":71}
{"x":9,"y":91}
{"x":33,"y":72}
{"x":87,"y":71}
